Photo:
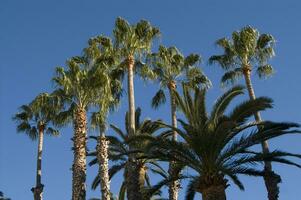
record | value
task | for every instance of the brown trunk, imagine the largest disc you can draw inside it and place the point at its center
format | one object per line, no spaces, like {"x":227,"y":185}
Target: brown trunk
{"x":38,"y":189}
{"x":103,"y":161}
{"x":79,"y":148}
{"x":174,"y":185}
{"x":214,"y":193}
{"x":271,"y":179}
{"x":133,"y":180}
{"x":142,"y":171}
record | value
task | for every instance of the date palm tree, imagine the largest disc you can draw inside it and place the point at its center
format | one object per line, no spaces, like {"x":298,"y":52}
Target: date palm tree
{"x":123,"y":148}
{"x":171,"y":68}
{"x":102,"y":60}
{"x":133,"y":42}
{"x":35,"y":119}
{"x":247,"y":50}
{"x":78,"y":89}
{"x":218,"y":146}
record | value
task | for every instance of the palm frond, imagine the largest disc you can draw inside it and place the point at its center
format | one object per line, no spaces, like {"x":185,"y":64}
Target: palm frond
{"x":158,"y":99}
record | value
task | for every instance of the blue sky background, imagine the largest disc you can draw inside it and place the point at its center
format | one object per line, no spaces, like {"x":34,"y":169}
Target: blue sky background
{"x":36,"y":36}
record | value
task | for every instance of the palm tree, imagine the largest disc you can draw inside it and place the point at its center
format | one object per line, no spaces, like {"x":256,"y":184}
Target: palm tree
{"x":124,"y":148}
{"x":35,"y":119}
{"x":78,"y":89}
{"x":217,"y":146}
{"x":133,"y":42}
{"x":249,"y":49}
{"x":171,"y":68}
{"x":2,"y":197}
{"x":101,"y":56}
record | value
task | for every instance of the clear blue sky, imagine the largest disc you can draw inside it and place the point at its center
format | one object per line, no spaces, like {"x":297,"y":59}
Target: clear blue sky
{"x":36,"y":36}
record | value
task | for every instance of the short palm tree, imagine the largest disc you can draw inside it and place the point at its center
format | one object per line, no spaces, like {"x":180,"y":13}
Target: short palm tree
{"x":217,"y":146}
{"x":124,"y":147}
{"x":133,"y":42}
{"x":247,"y":50}
{"x":78,"y":89}
{"x":171,"y":68}
{"x":35,"y":119}
{"x":102,"y":60}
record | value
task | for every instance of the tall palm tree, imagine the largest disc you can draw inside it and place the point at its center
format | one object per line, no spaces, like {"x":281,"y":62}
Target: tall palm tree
{"x":125,"y":147}
{"x":78,"y":89}
{"x":133,"y":42}
{"x":217,"y":146}
{"x":102,"y":60}
{"x":35,"y":119}
{"x":171,"y":68}
{"x":247,"y":50}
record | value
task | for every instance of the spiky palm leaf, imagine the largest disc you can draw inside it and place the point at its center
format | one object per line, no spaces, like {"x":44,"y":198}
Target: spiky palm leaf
{"x":218,"y":146}
{"x":120,"y":150}
{"x":42,"y":111}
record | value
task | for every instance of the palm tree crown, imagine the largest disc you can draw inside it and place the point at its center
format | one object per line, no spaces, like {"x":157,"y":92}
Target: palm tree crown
{"x":217,"y":145}
{"x":78,"y":86}
{"x":102,"y":61}
{"x":247,"y":49}
{"x":171,"y":67}
{"x":41,"y":113}
{"x":134,"y":40}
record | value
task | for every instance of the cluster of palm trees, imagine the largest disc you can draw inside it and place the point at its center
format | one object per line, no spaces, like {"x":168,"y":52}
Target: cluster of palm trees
{"x":216,"y":146}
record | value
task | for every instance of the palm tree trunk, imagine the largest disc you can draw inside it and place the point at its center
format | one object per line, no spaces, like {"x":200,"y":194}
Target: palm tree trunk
{"x":172,"y":88}
{"x":103,"y":161}
{"x":79,"y":148}
{"x":214,"y":193}
{"x":271,"y":179}
{"x":142,"y":172}
{"x":173,"y":185}
{"x":38,"y":189}
{"x":132,"y":180}
{"x":131,"y":171}
{"x":131,"y":94}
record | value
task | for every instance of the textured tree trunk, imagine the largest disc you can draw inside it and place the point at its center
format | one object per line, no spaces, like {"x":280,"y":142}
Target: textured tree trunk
{"x":142,"y":171}
{"x":103,"y":161}
{"x":79,"y":162}
{"x":174,"y":185}
{"x":38,"y":189}
{"x":132,"y":179}
{"x":214,"y":193}
{"x":271,"y":179}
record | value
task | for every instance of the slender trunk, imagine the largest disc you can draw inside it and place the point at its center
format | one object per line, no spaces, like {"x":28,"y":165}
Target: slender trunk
{"x":271,"y":179}
{"x":131,"y":171}
{"x":38,"y":189}
{"x":79,"y":148}
{"x":172,"y":89}
{"x":214,"y":193}
{"x":103,"y":161}
{"x":173,"y":172}
{"x":131,"y":94}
